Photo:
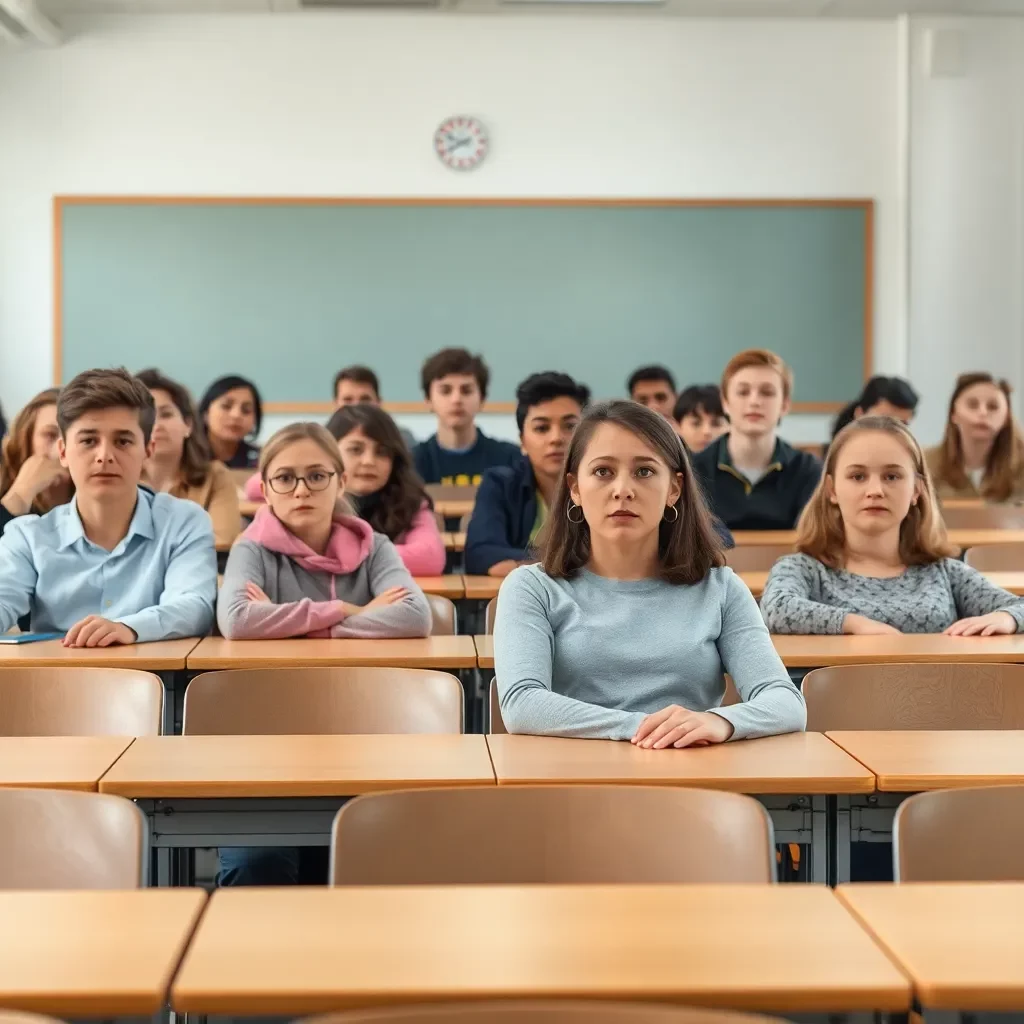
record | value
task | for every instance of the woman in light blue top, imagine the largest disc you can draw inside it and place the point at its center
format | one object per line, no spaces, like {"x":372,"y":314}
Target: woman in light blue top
{"x":626,"y":628}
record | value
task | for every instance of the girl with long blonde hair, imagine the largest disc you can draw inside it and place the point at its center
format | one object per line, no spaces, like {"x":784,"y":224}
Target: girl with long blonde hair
{"x":873,"y":554}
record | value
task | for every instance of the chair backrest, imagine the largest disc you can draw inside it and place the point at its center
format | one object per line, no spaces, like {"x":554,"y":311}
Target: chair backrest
{"x":984,"y":517}
{"x":495,"y":723}
{"x":444,"y":619}
{"x":996,"y":557}
{"x":489,"y":616}
{"x":316,"y":701}
{"x":554,"y":1011}
{"x":915,"y":696}
{"x":961,"y":835}
{"x":464,"y":522}
{"x":532,"y":834}
{"x":61,"y":839}
{"x":80,"y":702}
{"x":755,"y":557}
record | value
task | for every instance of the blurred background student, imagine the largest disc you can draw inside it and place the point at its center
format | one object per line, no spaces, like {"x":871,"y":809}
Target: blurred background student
{"x":231,"y":412}
{"x":699,"y":416}
{"x":882,"y":396}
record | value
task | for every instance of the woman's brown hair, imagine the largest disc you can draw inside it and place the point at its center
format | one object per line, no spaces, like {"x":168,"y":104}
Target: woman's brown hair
{"x":688,"y":547}
{"x":397,"y":503}
{"x":1006,"y":457}
{"x":820,"y":532}
{"x":17,"y":446}
{"x":195,"y":453}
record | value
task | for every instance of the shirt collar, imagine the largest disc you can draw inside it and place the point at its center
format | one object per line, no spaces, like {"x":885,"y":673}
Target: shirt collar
{"x":782,"y":454}
{"x":70,"y":528}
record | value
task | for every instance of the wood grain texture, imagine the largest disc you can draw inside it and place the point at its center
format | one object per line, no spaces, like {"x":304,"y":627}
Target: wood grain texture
{"x":815,"y":651}
{"x":426,"y":652}
{"x":962,"y":538}
{"x":58,"y":762}
{"x":484,"y":651}
{"x":911,"y":762}
{"x":962,"y":945}
{"x":724,"y":946}
{"x":451,"y":586}
{"x":91,"y":954}
{"x":161,"y":656}
{"x":279,"y":766}
{"x":795,"y":763}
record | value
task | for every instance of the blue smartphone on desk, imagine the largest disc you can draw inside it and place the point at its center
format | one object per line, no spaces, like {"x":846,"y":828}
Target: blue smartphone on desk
{"x":29,"y":638}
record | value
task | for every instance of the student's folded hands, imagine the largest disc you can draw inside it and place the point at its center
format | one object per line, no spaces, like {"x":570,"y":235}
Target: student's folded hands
{"x":861,"y":625}
{"x":254,"y":593}
{"x":95,"y":631}
{"x":993,"y":624}
{"x":679,"y":727}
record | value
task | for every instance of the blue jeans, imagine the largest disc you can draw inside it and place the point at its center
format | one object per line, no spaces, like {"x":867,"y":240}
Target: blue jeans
{"x":272,"y":865}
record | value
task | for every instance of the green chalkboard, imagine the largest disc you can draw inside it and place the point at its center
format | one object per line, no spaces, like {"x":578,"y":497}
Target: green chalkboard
{"x":288,"y":292}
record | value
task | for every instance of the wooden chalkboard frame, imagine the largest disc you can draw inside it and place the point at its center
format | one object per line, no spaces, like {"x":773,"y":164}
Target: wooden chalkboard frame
{"x":60,"y":202}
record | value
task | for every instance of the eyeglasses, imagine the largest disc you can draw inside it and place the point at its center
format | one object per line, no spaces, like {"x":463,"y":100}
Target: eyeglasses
{"x":315,"y":480}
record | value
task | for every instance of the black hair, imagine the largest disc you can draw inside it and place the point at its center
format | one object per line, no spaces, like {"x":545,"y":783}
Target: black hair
{"x":543,"y":387}
{"x":221,"y":386}
{"x":650,"y":373}
{"x":358,"y":375}
{"x":894,"y":390}
{"x":706,"y":398}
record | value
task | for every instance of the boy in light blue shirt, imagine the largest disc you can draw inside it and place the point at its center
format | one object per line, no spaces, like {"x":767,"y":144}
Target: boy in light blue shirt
{"x":118,"y":564}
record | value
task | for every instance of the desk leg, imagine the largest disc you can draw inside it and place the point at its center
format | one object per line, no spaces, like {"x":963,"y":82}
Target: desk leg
{"x":819,"y":839}
{"x":840,"y":860}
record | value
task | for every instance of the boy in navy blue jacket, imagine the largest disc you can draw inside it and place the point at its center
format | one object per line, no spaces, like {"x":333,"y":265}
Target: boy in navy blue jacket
{"x":512,"y":501}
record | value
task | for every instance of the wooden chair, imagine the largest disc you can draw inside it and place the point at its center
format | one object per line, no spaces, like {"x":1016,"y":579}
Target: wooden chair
{"x":496,"y":724}
{"x":61,"y":839}
{"x":489,"y":616}
{"x":996,"y":557}
{"x":559,"y":834}
{"x":961,"y":835}
{"x":444,"y":618}
{"x":984,"y":517}
{"x":555,"y":1011}
{"x":755,"y":557}
{"x":80,"y":702}
{"x":948,"y":695}
{"x":315,"y":701}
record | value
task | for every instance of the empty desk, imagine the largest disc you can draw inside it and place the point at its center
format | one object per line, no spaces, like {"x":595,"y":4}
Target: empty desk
{"x":484,"y":588}
{"x":91,"y":954}
{"x":58,"y":762}
{"x":962,"y":945}
{"x":450,"y":586}
{"x":815,"y":651}
{"x":780,"y":948}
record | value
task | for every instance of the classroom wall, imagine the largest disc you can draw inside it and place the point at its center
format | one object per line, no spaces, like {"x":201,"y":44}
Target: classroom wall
{"x":329,"y":104}
{"x":966,"y":210}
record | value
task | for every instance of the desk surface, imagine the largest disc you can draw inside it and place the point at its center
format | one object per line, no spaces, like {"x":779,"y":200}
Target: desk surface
{"x":1011,"y":581}
{"x":815,"y":651}
{"x":164,"y":655}
{"x":454,"y":508}
{"x":795,"y":763}
{"x":962,"y":538}
{"x":451,"y":586}
{"x":454,"y":541}
{"x":730,"y":946}
{"x":482,"y":588}
{"x":249,"y":508}
{"x":58,"y":762}
{"x":295,"y":766}
{"x":79,"y":954}
{"x":961,"y":944}
{"x":910,"y":762}
{"x":443,"y":652}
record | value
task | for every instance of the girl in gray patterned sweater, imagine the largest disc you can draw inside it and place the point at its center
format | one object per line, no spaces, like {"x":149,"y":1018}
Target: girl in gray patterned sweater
{"x":873,"y":551}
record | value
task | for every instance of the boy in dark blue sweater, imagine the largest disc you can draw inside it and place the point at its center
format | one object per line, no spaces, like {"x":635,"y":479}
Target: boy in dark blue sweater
{"x":455,"y":385}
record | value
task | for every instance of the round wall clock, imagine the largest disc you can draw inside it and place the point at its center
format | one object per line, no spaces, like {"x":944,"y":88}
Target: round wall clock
{"x":461,"y":143}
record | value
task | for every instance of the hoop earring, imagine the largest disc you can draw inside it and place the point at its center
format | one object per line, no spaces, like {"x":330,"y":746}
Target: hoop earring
{"x":675,"y":509}
{"x":568,"y":514}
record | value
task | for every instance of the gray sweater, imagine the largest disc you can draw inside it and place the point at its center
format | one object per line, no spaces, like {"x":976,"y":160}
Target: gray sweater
{"x":591,"y":657}
{"x":803,"y":595}
{"x":304,"y":603}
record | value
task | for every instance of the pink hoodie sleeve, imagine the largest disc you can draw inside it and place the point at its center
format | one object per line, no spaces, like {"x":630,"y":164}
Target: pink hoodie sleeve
{"x":421,"y":549}
{"x":242,"y":619}
{"x":252,"y":488}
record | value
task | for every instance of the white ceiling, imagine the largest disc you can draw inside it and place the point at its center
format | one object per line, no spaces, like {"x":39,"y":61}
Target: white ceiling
{"x":722,"y":8}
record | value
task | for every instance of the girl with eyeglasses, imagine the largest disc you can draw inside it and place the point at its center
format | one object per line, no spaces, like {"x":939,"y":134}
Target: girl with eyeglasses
{"x":306,"y":567}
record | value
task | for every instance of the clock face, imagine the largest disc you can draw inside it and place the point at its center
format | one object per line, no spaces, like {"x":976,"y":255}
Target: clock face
{"x":461,"y":143}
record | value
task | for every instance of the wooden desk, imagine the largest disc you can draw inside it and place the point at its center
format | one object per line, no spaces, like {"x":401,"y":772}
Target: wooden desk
{"x":962,"y":538}
{"x":909,"y":762}
{"x":484,"y":651}
{"x":162,"y":656}
{"x":249,"y":508}
{"x":745,"y":537}
{"x":961,"y":944}
{"x":58,"y":762}
{"x":450,"y":586}
{"x":1011,"y":581}
{"x":485,"y":588}
{"x":454,"y":508}
{"x":755,"y":581}
{"x":454,"y":541}
{"x":300,"y":951}
{"x":295,"y":766}
{"x":85,"y":954}
{"x":815,"y":651}
{"x":442,"y":652}
{"x":795,"y":763}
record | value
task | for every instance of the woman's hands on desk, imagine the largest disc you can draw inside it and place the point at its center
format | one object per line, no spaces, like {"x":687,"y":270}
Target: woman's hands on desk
{"x":680,"y":727}
{"x":861,"y":625}
{"x":993,"y":624}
